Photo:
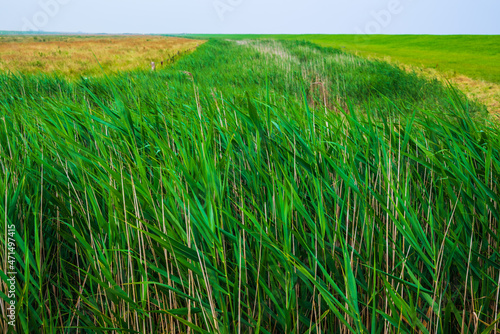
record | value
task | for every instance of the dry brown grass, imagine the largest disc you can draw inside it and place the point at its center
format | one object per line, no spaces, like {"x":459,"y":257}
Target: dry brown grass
{"x":74,"y":56}
{"x":485,"y":92}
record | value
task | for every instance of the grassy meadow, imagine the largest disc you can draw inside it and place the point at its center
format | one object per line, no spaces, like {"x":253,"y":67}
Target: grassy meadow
{"x":253,"y":186}
{"x":470,"y":62}
{"x":476,"y":56}
{"x":75,"y":56}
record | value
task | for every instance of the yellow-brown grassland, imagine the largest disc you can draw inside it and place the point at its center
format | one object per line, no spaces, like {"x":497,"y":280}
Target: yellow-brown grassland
{"x":75,"y":56}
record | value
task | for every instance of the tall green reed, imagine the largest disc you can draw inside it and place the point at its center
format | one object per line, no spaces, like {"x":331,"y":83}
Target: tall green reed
{"x":264,"y":187}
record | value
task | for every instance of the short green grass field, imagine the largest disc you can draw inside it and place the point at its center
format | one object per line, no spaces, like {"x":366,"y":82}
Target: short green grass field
{"x":475,"y":56}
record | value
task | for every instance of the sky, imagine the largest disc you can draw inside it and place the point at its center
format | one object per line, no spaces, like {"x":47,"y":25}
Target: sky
{"x":253,"y":16}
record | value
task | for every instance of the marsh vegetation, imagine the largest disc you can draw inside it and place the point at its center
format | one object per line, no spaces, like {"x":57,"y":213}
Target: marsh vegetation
{"x":258,"y":187}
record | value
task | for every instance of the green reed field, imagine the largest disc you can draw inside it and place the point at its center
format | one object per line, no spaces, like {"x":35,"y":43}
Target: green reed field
{"x":475,"y":56}
{"x":251,"y":187}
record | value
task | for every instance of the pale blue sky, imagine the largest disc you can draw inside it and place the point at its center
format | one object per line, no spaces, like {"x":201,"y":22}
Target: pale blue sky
{"x":253,"y":16}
